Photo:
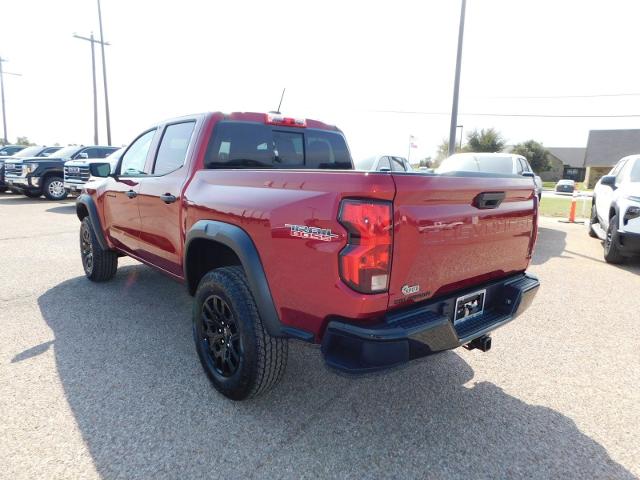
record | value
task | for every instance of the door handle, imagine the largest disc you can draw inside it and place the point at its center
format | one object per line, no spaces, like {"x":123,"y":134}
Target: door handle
{"x":131,"y":194}
{"x":168,"y":198}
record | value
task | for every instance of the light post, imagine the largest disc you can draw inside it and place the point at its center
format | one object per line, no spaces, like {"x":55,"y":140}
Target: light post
{"x":95,"y":92}
{"x":456,"y":84}
{"x":4,"y":114}
{"x":104,"y":77}
{"x":460,"y":127}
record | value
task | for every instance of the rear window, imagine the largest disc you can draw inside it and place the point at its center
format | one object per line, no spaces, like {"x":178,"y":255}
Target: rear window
{"x":255,"y":145}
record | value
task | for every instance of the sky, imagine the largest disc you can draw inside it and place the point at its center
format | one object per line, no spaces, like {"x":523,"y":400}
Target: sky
{"x":345,"y":63}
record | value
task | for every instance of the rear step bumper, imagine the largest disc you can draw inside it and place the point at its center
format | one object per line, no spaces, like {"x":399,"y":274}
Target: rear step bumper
{"x":424,"y":329}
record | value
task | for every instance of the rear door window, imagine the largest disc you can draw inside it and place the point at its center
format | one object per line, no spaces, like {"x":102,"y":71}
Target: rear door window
{"x":255,"y":145}
{"x":172,"y":151}
{"x":398,"y":165}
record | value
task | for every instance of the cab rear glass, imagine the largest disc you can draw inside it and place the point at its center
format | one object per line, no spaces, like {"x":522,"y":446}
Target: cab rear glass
{"x":239,"y":145}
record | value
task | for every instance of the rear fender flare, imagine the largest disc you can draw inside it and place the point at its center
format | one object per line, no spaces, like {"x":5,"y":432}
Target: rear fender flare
{"x":239,"y":241}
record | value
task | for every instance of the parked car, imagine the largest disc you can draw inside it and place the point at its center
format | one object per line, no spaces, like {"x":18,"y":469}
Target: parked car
{"x":76,"y":172}
{"x":565,"y":186}
{"x":34,"y":151}
{"x":264,"y":220}
{"x":381,"y":163}
{"x":8,"y":150}
{"x":497,"y":163}
{"x":615,"y":210}
{"x":35,"y":176}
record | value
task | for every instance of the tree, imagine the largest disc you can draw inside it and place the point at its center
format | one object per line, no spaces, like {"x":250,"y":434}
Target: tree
{"x":443,"y":152}
{"x":535,"y":153}
{"x":485,"y":140}
{"x":24,"y":141}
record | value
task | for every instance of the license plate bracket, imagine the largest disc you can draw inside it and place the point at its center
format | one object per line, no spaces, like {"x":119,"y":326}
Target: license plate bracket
{"x":470,"y":305}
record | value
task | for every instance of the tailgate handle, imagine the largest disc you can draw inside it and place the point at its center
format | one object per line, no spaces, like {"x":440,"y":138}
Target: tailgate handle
{"x":487,"y":200}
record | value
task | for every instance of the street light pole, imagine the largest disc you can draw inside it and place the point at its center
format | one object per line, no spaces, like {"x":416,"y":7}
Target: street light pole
{"x":461,"y":129}
{"x":456,"y":84}
{"x":104,"y":77}
{"x":4,"y":114}
{"x":95,"y":91}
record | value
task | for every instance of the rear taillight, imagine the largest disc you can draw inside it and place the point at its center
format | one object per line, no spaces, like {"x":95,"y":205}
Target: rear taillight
{"x":365,"y":261}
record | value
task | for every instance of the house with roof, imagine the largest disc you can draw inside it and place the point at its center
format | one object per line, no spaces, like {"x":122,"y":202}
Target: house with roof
{"x":565,"y":162}
{"x":605,"y":148}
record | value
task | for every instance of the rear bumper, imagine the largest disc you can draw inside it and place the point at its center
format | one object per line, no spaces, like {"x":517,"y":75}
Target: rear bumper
{"x":424,"y":329}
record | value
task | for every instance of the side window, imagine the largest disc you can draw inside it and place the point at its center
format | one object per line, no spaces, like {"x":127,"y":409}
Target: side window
{"x":384,"y":164}
{"x":525,"y":165}
{"x":172,"y":151}
{"x":519,"y":166}
{"x":634,"y":174}
{"x":90,"y":152}
{"x":104,"y":152}
{"x":623,"y":173}
{"x":134,"y":159}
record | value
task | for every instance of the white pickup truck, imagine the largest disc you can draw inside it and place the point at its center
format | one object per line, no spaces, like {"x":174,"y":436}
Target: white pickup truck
{"x":615,"y":211}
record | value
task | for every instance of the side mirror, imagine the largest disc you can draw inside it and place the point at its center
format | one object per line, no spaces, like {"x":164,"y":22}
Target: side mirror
{"x":608,"y":180}
{"x":83,"y":155}
{"x":528,"y":174}
{"x":101,"y":170}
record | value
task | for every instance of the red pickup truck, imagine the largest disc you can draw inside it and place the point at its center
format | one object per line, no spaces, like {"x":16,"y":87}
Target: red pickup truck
{"x":264,"y":220}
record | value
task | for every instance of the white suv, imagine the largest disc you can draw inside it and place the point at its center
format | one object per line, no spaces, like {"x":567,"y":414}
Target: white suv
{"x":615,"y":212}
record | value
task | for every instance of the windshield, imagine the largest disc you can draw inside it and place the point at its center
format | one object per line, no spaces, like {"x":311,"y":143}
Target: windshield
{"x":28,"y":152}
{"x":482,"y":163}
{"x":66,"y":152}
{"x":8,"y":151}
{"x":115,"y":156}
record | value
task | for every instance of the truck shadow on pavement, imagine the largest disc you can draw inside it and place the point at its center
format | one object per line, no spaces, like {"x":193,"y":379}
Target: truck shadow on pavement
{"x":126,"y":360}
{"x":551,"y":243}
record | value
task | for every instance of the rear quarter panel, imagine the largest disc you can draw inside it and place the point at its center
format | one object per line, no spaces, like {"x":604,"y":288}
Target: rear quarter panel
{"x":302,"y":273}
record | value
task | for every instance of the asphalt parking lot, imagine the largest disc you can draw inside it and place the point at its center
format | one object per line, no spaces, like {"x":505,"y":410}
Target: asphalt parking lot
{"x":102,"y":381}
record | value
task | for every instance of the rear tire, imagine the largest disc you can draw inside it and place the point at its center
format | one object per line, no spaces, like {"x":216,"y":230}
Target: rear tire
{"x":54,"y":188}
{"x":238,"y":355}
{"x":592,"y":221}
{"x":611,"y":250}
{"x":99,"y":265}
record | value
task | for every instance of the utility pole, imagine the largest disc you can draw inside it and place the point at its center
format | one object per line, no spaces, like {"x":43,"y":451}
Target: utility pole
{"x":456,"y":84}
{"x":4,"y":114}
{"x":95,"y":91}
{"x":104,"y":77}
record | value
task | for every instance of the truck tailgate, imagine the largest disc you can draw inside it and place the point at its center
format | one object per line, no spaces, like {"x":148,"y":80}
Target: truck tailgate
{"x":444,"y":240}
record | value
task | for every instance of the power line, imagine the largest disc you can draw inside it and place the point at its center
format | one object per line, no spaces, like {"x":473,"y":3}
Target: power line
{"x":538,"y":97}
{"x":528,"y":115}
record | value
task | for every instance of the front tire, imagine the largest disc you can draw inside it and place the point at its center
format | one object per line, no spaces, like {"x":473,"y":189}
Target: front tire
{"x":54,"y":188}
{"x":611,"y":243}
{"x":99,"y":265}
{"x":238,"y":355}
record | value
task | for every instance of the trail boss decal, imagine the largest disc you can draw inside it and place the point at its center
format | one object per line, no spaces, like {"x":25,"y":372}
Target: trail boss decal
{"x":314,"y":233}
